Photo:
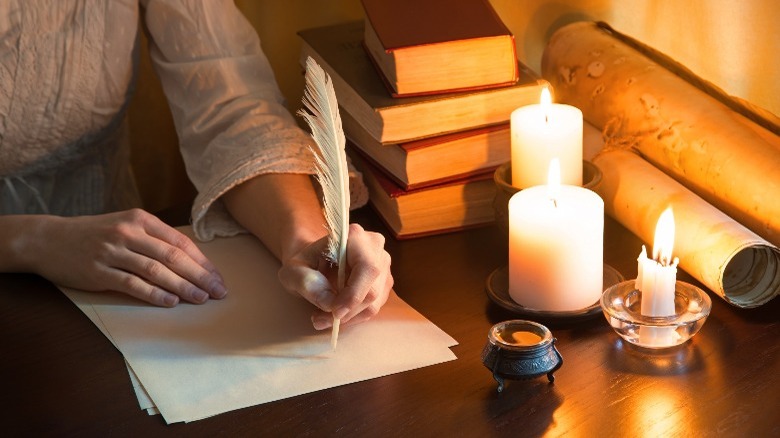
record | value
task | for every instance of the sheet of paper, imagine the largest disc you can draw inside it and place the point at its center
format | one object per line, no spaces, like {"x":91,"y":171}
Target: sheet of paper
{"x":256,"y":345}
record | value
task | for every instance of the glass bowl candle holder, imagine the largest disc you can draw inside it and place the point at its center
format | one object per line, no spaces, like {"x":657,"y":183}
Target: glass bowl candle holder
{"x":591,"y":177}
{"x":622,"y":306}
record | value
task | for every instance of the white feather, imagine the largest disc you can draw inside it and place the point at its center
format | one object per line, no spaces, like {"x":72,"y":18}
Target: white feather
{"x":323,"y":118}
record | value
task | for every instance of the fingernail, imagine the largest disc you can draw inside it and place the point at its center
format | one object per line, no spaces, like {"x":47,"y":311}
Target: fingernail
{"x":325,"y":301}
{"x":218,"y":289}
{"x":321,"y":322}
{"x":170,"y":300}
{"x":341,"y":312}
{"x":199,"y":296}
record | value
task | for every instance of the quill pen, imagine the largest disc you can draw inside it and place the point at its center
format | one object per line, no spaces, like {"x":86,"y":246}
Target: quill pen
{"x":322,"y":116}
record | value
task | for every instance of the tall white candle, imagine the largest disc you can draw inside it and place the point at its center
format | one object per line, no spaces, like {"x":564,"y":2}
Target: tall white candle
{"x":556,"y":247}
{"x":541,"y":132}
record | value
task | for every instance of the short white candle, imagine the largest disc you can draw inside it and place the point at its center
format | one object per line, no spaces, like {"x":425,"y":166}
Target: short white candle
{"x":541,"y":132}
{"x":656,"y":279}
{"x":556,"y":247}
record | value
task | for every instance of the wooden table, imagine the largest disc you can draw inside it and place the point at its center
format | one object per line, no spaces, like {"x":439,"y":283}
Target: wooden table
{"x":61,"y":376}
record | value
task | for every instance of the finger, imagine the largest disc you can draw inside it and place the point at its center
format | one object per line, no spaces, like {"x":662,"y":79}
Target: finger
{"x":158,"y":275}
{"x":368,"y":262}
{"x":134,"y":286}
{"x":181,"y":256}
{"x":369,"y":308}
{"x":309,"y":283}
{"x":158,"y":229}
{"x":324,"y":320}
{"x":176,"y":261}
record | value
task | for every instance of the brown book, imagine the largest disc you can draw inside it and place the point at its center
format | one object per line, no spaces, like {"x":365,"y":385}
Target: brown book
{"x":434,"y":46}
{"x":433,"y":160}
{"x":442,"y":208}
{"x":360,"y":92}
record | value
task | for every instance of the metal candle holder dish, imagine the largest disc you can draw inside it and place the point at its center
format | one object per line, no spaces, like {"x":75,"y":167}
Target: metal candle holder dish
{"x":520,"y":350}
{"x":591,"y":177}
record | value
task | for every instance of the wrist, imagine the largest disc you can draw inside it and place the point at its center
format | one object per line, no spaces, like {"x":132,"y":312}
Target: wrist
{"x":299,"y":237}
{"x":22,"y":246}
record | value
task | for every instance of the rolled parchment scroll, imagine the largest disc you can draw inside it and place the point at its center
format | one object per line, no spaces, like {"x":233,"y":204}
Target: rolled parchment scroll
{"x":689,"y":129}
{"x":722,"y":254}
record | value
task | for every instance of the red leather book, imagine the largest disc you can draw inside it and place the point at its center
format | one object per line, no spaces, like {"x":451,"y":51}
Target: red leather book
{"x":436,"y":46}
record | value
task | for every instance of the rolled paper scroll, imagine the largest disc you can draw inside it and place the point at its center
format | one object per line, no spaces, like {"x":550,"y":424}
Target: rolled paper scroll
{"x":689,"y":129}
{"x":721,"y":253}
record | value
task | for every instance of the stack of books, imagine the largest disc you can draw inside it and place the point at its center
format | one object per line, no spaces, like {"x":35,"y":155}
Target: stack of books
{"x":426,"y":89}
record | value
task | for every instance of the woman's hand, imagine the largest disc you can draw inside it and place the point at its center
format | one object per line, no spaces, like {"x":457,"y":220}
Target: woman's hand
{"x":132,"y":252}
{"x":368,"y":283}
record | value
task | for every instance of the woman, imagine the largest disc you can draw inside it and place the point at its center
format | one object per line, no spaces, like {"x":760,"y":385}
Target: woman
{"x":66,"y":76}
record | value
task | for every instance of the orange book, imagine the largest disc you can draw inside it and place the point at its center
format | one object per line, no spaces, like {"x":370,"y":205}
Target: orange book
{"x":433,"y":160}
{"x":435,"y":46}
{"x":437,"y":209}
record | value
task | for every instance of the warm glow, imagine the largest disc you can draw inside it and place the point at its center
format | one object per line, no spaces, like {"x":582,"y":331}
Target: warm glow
{"x":554,"y":179}
{"x":545,"y":100}
{"x":657,"y":411}
{"x":664,"y":238}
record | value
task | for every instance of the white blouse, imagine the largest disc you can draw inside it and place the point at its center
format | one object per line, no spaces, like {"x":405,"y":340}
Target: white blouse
{"x":67,"y":70}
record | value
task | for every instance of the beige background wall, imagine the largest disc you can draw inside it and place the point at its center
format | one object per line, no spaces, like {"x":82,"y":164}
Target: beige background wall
{"x":732,"y":43}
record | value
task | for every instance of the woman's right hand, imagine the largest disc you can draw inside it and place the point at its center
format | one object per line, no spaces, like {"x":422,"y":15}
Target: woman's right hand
{"x":132,"y":252}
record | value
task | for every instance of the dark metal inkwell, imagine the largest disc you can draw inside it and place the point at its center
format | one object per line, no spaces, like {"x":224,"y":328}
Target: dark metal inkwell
{"x":520,"y":350}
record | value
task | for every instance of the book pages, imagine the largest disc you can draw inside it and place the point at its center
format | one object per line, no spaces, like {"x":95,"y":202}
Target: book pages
{"x":255,"y":346}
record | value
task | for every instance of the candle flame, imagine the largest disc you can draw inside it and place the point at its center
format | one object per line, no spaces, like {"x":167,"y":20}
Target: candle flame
{"x":545,"y":100}
{"x":664,"y":238}
{"x":554,"y":180}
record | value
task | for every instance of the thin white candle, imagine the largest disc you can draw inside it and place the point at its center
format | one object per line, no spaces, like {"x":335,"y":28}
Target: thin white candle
{"x":556,"y":247}
{"x":541,"y":132}
{"x":656,"y":279}
{"x":659,"y":274}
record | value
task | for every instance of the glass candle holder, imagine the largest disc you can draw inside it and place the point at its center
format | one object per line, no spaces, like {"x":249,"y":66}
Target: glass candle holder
{"x":622,"y":306}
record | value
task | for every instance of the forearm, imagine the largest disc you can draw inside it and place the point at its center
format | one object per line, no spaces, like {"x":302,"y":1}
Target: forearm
{"x":283,"y":210}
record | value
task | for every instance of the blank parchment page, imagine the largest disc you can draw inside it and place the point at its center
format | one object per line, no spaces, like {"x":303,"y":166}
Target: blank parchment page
{"x":256,"y":345}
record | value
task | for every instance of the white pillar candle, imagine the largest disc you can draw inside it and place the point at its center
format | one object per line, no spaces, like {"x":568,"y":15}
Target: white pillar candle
{"x":541,"y":132}
{"x":556,"y":247}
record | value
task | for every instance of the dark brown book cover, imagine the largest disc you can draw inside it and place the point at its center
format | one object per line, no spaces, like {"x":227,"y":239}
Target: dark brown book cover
{"x":394,"y":28}
{"x":405,"y":23}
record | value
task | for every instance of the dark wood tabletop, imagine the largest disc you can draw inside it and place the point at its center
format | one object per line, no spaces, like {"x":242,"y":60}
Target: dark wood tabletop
{"x":61,"y":376}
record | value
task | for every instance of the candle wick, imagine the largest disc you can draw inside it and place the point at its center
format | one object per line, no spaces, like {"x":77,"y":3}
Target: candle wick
{"x":555,"y":202}
{"x":546,"y":118}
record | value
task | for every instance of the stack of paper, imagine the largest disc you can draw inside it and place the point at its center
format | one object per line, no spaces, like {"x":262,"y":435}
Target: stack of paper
{"x":255,"y":346}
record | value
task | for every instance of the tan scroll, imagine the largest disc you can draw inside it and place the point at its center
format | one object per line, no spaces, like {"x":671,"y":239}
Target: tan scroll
{"x":718,"y":146}
{"x":722,"y":254}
